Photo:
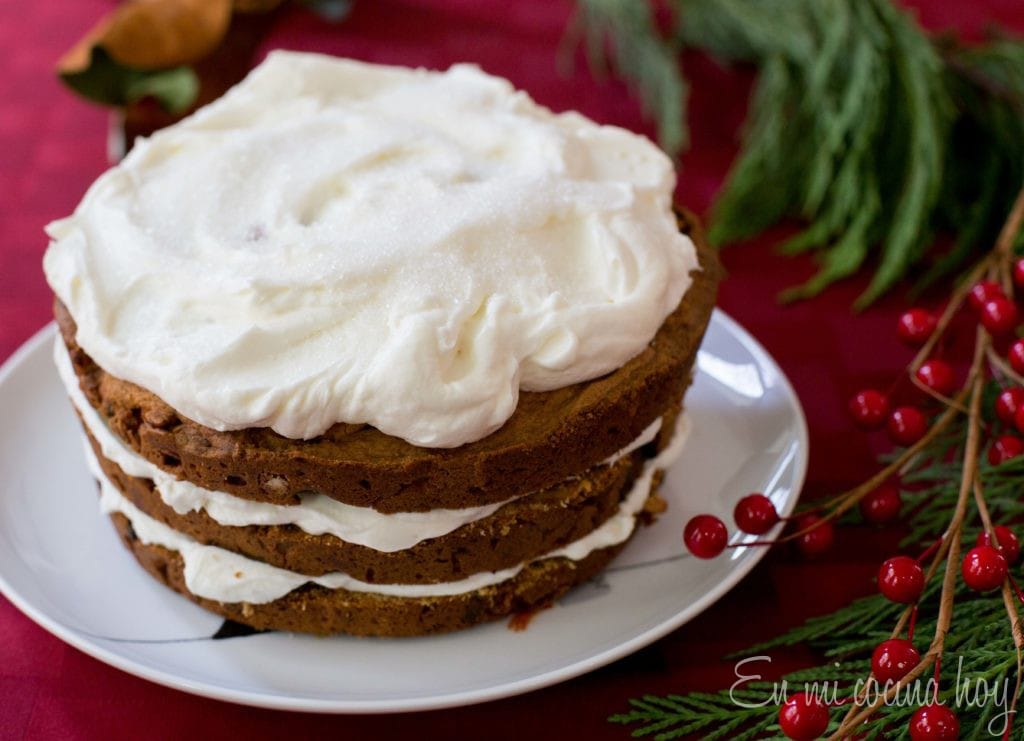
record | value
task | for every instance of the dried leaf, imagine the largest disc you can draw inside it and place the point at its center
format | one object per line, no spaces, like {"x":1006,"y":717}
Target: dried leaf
{"x":153,"y":34}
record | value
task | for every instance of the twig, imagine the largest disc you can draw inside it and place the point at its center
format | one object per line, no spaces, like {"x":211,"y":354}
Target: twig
{"x":1007,"y":236}
{"x":840,"y":503}
{"x":1009,"y":601}
{"x":955,"y":302}
{"x":999,"y":362}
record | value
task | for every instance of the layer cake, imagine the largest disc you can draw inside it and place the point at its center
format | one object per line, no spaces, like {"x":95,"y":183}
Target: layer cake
{"x":368,"y":350}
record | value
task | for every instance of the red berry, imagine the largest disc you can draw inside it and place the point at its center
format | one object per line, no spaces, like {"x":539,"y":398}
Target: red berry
{"x":1018,"y":419}
{"x":984,"y":291}
{"x":882,"y":505}
{"x":755,"y":514}
{"x":1008,"y":402}
{"x":705,"y":536}
{"x":803,"y":717}
{"x":1018,"y":273}
{"x":1005,"y":447}
{"x":907,"y":425}
{"x":869,"y":408}
{"x":916,"y":326}
{"x":934,"y":723}
{"x":1016,"y":356}
{"x":999,"y":315}
{"x":938,"y":376}
{"x":1008,"y":544}
{"x":819,"y":536}
{"x":983,"y":568}
{"x":901,"y":579}
{"x":892,"y":660}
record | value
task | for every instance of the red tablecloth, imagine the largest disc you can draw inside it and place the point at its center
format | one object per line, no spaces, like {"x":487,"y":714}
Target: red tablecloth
{"x":51,"y":148}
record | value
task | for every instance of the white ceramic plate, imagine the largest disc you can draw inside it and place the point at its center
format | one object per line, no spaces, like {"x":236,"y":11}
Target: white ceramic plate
{"x":63,"y":566}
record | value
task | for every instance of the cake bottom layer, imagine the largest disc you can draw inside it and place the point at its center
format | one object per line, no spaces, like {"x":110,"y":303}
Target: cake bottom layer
{"x":319,"y":610}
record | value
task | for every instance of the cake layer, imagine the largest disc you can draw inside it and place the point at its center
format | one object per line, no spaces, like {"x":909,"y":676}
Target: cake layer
{"x":226,"y":576}
{"x":335,"y":241}
{"x":265,"y":596}
{"x":518,"y":531}
{"x":322,"y":611}
{"x":315,"y":515}
{"x":551,"y":436}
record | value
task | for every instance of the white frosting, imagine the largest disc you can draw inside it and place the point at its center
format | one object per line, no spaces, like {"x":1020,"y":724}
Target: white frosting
{"x":334,"y":241}
{"x":317,"y":514}
{"x":219,"y":574}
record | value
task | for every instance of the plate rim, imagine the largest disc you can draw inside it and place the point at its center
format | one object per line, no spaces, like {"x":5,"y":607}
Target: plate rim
{"x":90,"y":646}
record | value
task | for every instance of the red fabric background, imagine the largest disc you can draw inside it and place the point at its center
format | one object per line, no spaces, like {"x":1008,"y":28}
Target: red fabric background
{"x":52,"y":147}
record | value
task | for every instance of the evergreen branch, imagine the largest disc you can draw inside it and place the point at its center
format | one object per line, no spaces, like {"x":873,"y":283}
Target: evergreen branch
{"x":642,"y":58}
{"x":918,"y":84}
{"x":860,"y":125}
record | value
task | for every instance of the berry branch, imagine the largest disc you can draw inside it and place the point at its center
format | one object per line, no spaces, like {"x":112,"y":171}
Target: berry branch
{"x":950,"y":542}
{"x":972,"y":546}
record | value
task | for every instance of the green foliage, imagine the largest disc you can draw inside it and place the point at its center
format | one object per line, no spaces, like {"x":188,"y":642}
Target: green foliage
{"x":859,"y":125}
{"x":106,"y":81}
{"x":979,"y":636}
{"x":985,"y":156}
{"x":651,"y":68}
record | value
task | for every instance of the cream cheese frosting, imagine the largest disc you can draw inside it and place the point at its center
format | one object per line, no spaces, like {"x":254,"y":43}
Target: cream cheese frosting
{"x":317,"y":513}
{"x":333,"y":241}
{"x":218,"y":574}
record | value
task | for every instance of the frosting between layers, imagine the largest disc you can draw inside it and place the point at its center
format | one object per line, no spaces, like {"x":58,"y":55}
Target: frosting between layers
{"x":221,"y":575}
{"x":334,"y":241}
{"x":317,"y":514}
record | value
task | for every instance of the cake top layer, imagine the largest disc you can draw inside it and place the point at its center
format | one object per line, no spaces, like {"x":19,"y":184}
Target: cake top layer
{"x":334,"y":241}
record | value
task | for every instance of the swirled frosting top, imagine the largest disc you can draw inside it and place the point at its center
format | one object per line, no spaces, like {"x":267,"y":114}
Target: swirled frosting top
{"x":334,"y":241}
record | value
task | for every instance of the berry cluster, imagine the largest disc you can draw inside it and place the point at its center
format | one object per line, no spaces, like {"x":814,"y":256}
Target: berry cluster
{"x":901,"y":579}
{"x":909,"y":424}
{"x":998,"y":314}
{"x":1010,"y":404}
{"x":706,"y":536}
{"x":804,"y":717}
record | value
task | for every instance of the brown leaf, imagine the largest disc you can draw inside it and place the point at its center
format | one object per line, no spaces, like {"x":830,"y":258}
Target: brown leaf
{"x":154,"y":34}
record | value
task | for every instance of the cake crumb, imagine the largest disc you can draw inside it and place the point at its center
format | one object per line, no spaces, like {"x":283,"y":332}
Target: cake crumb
{"x":520,"y":621}
{"x":653,"y":507}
